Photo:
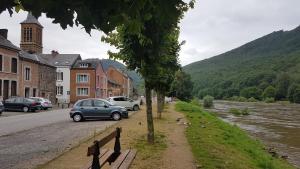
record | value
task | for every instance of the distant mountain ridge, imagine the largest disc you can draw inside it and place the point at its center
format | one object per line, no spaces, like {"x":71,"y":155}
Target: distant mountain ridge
{"x":257,"y":63}
{"x":134,"y":75}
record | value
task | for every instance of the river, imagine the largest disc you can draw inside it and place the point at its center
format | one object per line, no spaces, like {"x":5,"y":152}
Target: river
{"x":277,"y":125}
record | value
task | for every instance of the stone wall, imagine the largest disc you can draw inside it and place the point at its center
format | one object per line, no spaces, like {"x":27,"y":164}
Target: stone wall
{"x":47,"y":82}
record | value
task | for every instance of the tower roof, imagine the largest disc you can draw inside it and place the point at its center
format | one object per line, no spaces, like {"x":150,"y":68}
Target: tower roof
{"x":31,"y":19}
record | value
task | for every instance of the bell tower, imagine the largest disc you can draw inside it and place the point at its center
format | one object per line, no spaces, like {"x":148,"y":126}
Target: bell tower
{"x":31,"y":35}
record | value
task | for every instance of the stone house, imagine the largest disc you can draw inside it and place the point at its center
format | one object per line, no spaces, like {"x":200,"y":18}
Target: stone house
{"x":9,"y":69}
{"x":63,"y":64}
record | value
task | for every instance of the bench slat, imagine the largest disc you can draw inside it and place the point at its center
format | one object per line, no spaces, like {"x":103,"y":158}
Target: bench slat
{"x":128,"y":160}
{"x":105,"y":157}
{"x":120,"y":159}
{"x":102,"y":152}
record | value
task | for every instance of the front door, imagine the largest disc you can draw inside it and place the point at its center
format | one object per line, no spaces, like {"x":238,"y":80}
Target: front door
{"x":5,"y":89}
{"x":27,"y":92}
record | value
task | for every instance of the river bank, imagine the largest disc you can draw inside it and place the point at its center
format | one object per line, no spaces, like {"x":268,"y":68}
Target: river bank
{"x":217,"y":144}
{"x":276,"y":124}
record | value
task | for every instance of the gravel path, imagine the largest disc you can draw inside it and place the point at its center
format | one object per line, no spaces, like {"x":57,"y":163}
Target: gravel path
{"x":30,"y":148}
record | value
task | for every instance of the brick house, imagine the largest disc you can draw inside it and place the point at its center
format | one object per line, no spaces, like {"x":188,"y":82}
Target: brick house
{"x":9,"y":69}
{"x":84,"y":75}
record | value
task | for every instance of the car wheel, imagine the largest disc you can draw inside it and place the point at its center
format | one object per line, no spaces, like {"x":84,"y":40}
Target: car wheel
{"x":135,"y":108}
{"x":25,"y":109}
{"x":116,"y":116}
{"x":77,"y":118}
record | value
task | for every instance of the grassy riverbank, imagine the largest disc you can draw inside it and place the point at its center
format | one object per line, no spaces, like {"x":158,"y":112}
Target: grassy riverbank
{"x":217,"y":144}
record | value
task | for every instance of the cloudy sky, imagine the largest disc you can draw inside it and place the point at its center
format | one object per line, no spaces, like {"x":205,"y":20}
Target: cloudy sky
{"x":211,"y":28}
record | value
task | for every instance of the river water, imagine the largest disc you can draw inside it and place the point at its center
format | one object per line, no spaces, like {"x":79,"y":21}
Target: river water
{"x":277,"y":125}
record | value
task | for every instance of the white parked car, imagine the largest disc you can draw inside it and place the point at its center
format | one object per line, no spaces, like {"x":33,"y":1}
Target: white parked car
{"x":126,"y":102}
{"x":45,"y":103}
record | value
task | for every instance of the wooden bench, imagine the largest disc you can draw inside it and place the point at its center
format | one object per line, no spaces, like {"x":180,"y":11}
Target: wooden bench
{"x":115,"y":158}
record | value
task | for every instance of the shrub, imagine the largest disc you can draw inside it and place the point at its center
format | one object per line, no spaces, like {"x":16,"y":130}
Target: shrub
{"x":269,"y":100}
{"x":245,"y":111}
{"x":196,"y":101}
{"x":238,"y":99}
{"x":251,"y":92}
{"x":208,"y":101}
{"x":235,"y":111}
{"x":252,"y":99}
{"x":238,"y":112}
{"x":269,"y":92}
{"x":294,"y":93}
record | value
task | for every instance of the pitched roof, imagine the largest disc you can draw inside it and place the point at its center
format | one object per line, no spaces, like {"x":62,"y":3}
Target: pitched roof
{"x":92,"y":63}
{"x":31,"y":19}
{"x":26,"y":55}
{"x":61,"y":59}
{"x":7,"y":44}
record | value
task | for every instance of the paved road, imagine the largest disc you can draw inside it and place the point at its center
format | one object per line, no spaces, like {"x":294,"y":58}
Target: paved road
{"x":29,"y":140}
{"x":13,"y":124}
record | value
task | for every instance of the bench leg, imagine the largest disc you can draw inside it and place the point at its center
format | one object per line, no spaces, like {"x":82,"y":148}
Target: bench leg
{"x":96,"y":163}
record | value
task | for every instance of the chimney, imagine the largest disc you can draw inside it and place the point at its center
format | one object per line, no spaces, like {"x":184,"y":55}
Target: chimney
{"x":54,"y":53}
{"x":3,"y":32}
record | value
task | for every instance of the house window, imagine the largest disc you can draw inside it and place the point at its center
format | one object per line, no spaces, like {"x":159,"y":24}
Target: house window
{"x":14,"y":65}
{"x":59,"y":76}
{"x":82,"y":78}
{"x":13,"y":88}
{"x":1,"y":62}
{"x":83,"y":65}
{"x":59,"y":90}
{"x":27,"y":73}
{"x":82,"y":91}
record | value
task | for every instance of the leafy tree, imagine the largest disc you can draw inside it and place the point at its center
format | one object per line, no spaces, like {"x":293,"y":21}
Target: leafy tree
{"x":182,"y":86}
{"x":142,"y":51}
{"x":292,"y":93}
{"x":251,"y":92}
{"x":168,"y":66}
{"x":269,"y":92}
{"x":282,"y":85}
{"x":296,"y":95}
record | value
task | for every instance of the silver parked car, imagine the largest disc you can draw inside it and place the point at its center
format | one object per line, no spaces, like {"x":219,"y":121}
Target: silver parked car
{"x":45,"y":103}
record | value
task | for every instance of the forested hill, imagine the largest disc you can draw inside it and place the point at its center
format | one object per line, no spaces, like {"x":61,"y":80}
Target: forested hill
{"x":272,"y":61}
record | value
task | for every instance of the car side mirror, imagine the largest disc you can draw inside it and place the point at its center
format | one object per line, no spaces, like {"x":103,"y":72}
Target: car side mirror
{"x":106,"y":106}
{"x":131,"y":100}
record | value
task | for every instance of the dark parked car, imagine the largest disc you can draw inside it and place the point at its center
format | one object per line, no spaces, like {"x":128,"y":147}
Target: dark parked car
{"x":96,"y":109}
{"x":21,"y":104}
{"x":1,"y":108}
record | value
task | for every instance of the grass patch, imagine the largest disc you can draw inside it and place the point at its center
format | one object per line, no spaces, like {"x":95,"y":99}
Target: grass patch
{"x":217,"y":144}
{"x":151,"y":151}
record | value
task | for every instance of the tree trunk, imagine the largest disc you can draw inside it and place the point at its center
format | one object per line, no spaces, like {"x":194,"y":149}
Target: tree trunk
{"x":159,"y":104}
{"x":149,"y":114}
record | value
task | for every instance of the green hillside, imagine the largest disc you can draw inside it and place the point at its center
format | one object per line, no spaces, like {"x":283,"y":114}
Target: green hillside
{"x":271,"y":61}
